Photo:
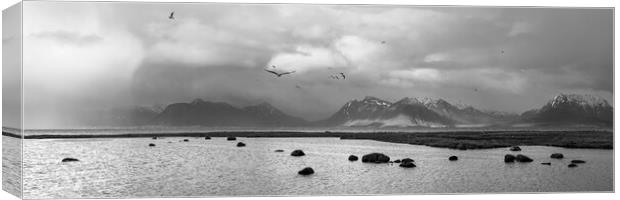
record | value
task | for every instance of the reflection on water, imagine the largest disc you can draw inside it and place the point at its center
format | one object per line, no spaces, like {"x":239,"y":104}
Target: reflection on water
{"x":128,"y":167}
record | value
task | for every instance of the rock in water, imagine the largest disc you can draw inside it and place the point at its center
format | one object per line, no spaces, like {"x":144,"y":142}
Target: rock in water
{"x":151,"y":145}
{"x":407,"y":160}
{"x":515,"y":148}
{"x":70,"y":160}
{"x":207,"y":138}
{"x":353,"y":158}
{"x":154,"y":138}
{"x":240,"y":144}
{"x":545,"y":163}
{"x":298,"y":152}
{"x":375,"y":158}
{"x":572,"y":165}
{"x":306,"y":171}
{"x":453,"y":158}
{"x":523,"y":158}
{"x":185,"y":140}
{"x":397,"y":161}
{"x":577,"y":161}
{"x":557,"y":156}
{"x":407,"y":165}
{"x":509,"y":158}
{"x":279,"y":150}
{"x":231,"y":138}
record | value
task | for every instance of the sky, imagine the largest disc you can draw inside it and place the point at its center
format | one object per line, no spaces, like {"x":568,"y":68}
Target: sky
{"x":82,"y":57}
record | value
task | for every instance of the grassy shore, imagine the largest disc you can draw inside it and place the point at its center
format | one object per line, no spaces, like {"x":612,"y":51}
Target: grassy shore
{"x":452,"y":139}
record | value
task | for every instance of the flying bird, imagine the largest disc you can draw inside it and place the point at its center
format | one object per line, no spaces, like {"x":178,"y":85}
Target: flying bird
{"x":343,"y":76}
{"x":383,"y":42}
{"x":171,"y":15}
{"x":298,"y":87}
{"x":334,"y":77}
{"x":279,"y":74}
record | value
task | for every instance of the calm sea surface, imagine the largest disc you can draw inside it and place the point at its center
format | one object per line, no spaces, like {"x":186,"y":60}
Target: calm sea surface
{"x":128,"y":167}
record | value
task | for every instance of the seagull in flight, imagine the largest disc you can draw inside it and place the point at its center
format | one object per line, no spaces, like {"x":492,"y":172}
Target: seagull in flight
{"x":279,"y":74}
{"x":171,"y":15}
{"x":343,"y":76}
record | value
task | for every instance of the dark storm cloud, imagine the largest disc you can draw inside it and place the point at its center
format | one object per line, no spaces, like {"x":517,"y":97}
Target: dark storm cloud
{"x":509,"y":59}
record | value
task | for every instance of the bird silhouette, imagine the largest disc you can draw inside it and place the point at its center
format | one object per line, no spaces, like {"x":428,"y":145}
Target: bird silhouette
{"x":382,"y":42}
{"x":298,"y":87}
{"x":343,"y":76}
{"x":279,"y":74}
{"x":171,"y":15}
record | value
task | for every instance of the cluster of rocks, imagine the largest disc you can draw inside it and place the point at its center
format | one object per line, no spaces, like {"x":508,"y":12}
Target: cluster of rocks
{"x":509,"y":158}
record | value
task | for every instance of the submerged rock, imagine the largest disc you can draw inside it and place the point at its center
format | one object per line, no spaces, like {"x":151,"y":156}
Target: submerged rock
{"x":298,"y":152}
{"x":557,"y":156}
{"x":151,"y":145}
{"x":70,"y":160}
{"x":572,"y":165}
{"x":545,"y":163}
{"x":306,"y":171}
{"x":523,"y":158}
{"x":407,"y":165}
{"x":279,"y":150}
{"x":397,"y":161}
{"x":515,"y":148}
{"x":353,"y":158}
{"x":577,"y":161}
{"x":375,"y":158}
{"x":509,"y":158}
{"x":231,"y":138}
{"x":154,"y":138}
{"x":185,"y":140}
{"x":207,"y":138}
{"x":240,"y":144}
{"x":453,"y":158}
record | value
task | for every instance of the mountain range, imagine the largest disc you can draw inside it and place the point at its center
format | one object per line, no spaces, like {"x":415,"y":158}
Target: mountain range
{"x":562,"y":110}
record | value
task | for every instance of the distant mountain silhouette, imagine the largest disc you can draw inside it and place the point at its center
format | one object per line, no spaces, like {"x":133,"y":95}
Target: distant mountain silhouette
{"x":562,"y":111}
{"x":571,"y":110}
{"x":409,"y":112}
{"x":205,"y":113}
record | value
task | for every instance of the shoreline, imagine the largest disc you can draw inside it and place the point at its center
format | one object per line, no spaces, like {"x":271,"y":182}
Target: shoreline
{"x":462,"y":140}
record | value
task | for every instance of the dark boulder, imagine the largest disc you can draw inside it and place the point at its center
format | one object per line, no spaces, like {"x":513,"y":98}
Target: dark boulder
{"x":70,"y":160}
{"x":298,"y":152}
{"x":453,"y":158}
{"x":515,"y":148}
{"x":557,"y":156}
{"x":240,"y":144}
{"x":306,"y":171}
{"x":509,"y":158}
{"x":407,"y":165}
{"x":545,"y":163}
{"x":572,"y":165}
{"x":577,"y":161}
{"x":523,"y":158}
{"x":397,"y":161}
{"x":353,"y":158}
{"x":404,"y":160}
{"x":207,"y":138}
{"x":185,"y":140}
{"x":375,"y":158}
{"x":154,"y":138}
{"x":231,"y":138}
{"x":279,"y":150}
{"x":151,"y":145}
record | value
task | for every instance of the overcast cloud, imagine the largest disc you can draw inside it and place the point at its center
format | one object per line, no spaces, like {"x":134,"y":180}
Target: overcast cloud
{"x":92,"y":56}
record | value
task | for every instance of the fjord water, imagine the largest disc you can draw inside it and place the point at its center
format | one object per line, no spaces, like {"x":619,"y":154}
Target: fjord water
{"x":128,"y":167}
